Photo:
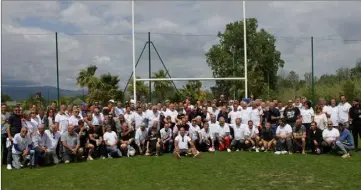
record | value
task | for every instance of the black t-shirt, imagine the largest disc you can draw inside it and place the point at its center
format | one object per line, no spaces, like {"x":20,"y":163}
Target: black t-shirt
{"x":275,"y":113}
{"x":291,"y":114}
{"x":83,"y":137}
{"x":15,"y":124}
{"x":126,"y":137}
{"x":97,"y":132}
{"x":267,"y":135}
{"x":153,"y":136}
{"x":186,"y":127}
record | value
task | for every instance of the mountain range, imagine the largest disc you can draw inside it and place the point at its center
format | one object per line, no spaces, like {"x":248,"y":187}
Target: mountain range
{"x":47,"y":92}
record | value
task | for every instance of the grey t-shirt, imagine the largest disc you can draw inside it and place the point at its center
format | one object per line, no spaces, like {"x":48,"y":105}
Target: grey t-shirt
{"x":299,"y":130}
{"x":71,"y":141}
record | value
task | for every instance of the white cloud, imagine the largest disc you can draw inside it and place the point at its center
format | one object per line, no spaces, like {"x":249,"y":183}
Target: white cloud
{"x":32,"y":57}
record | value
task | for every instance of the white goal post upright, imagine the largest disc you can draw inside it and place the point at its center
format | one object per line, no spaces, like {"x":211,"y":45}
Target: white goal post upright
{"x":190,"y":79}
{"x":133,"y":45}
{"x":245,"y":51}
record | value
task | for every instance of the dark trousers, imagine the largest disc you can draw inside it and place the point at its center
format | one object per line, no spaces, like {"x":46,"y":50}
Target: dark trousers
{"x":39,"y":155}
{"x":356,"y":133}
{"x":308,"y":132}
{"x":280,"y":145}
{"x":4,"y":151}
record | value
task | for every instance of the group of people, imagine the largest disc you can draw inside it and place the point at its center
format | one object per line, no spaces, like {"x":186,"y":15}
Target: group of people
{"x":73,"y":133}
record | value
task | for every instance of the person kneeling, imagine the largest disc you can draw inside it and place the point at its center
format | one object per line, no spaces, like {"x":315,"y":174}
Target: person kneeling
{"x":345,"y":143}
{"x":111,"y":143}
{"x":284,"y":137}
{"x":181,"y":147}
{"x":153,"y":142}
{"x":267,"y":142}
{"x":70,"y":141}
{"x":299,"y":136}
{"x":206,"y":140}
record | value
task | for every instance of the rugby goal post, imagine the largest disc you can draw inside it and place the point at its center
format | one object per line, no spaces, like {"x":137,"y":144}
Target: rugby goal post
{"x":135,"y":79}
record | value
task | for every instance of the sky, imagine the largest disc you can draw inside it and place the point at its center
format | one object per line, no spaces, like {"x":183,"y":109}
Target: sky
{"x":99,"y":33}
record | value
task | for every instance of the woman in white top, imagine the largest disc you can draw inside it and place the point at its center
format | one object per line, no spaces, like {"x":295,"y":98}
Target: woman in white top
{"x":308,"y":116}
{"x":320,"y":118}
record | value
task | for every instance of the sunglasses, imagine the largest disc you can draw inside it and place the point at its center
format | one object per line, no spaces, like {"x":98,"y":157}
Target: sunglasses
{"x":32,"y":112}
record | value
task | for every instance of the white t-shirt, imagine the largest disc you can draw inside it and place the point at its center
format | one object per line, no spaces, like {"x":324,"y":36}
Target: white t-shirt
{"x":253,"y":132}
{"x":74,"y":120}
{"x":22,"y":143}
{"x":36,"y":122}
{"x":222,"y":130}
{"x":256,"y":116}
{"x":165,"y":134}
{"x":98,"y":119}
{"x":193,"y":130}
{"x":138,"y":119}
{"x":334,"y":115}
{"x":110,"y":137}
{"x":54,"y":139}
{"x":141,"y":135}
{"x":183,"y":144}
{"x":151,"y":116}
{"x":128,"y":117}
{"x":63,"y":121}
{"x":343,"y":112}
{"x":173,"y":115}
{"x":239,"y":131}
{"x":233,"y":115}
{"x":287,"y":129}
{"x":332,"y":134}
{"x":31,"y":126}
{"x":321,"y":121}
{"x":307,"y":115}
{"x":206,"y":134}
{"x":213,"y":127}
{"x":245,"y":115}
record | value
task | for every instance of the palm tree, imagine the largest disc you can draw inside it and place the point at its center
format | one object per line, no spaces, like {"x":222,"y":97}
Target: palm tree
{"x":161,"y":87}
{"x":87,"y":78}
{"x":142,"y":89}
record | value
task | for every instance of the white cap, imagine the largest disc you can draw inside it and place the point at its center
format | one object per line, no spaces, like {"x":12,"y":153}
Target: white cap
{"x":132,"y":101}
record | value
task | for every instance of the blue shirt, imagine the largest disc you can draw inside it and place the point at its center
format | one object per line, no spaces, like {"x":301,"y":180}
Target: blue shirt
{"x":345,"y":136}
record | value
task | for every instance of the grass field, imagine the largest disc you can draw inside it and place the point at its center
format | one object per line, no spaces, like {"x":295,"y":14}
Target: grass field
{"x":235,"y":170}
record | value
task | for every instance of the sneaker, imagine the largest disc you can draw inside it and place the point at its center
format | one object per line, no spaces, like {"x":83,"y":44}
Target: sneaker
{"x":277,"y":152}
{"x":284,"y":152}
{"x":66,"y":162}
{"x":103,"y":157}
{"x":262,"y":148}
{"x":257,"y":150}
{"x":9,"y":167}
{"x":229,"y":150}
{"x":253,"y":147}
{"x":265,"y":150}
{"x":303,"y":152}
{"x":90,"y":158}
{"x":289,"y":152}
{"x":197,"y":154}
{"x":347,"y":155}
{"x":237,"y":150}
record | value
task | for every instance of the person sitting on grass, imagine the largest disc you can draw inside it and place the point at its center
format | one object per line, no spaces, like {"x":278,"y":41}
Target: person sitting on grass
{"x":71,"y":143}
{"x":153,"y":141}
{"x":238,"y":135}
{"x":21,"y":148}
{"x":224,"y":135}
{"x":126,"y":139}
{"x":166,"y":137}
{"x":111,"y":142}
{"x":183,"y":146}
{"x":83,"y":134}
{"x":54,"y":137}
{"x":252,"y":136}
{"x":345,"y":143}
{"x":299,"y":136}
{"x":315,"y":138}
{"x":267,"y":142}
{"x":206,"y":140}
{"x":141,"y":136}
{"x":41,"y":144}
{"x":283,"y":137}
{"x":329,"y":136}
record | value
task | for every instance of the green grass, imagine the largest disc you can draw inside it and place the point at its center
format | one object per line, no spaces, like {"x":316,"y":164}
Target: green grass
{"x":220,"y":170}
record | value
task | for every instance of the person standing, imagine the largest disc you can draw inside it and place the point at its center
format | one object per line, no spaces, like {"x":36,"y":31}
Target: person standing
{"x":355,"y":120}
{"x":13,"y":127}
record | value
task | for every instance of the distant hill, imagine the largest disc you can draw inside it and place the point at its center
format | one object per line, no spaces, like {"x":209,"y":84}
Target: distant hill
{"x":21,"y":93}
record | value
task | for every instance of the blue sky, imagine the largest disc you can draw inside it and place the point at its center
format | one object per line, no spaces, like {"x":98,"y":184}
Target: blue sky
{"x":31,"y":58}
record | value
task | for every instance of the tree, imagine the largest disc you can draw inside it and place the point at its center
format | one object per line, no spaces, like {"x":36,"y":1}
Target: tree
{"x":142,"y":89}
{"x":5,"y":98}
{"x":161,"y":87}
{"x":263,"y":58}
{"x":87,"y":78}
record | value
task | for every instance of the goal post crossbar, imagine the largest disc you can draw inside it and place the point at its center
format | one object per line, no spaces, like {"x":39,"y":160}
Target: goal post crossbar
{"x":189,"y":79}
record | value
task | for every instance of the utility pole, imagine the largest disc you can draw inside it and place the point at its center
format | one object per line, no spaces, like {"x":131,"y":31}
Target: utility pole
{"x":57,"y":68}
{"x":150,"y":69}
{"x":313,"y":74}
